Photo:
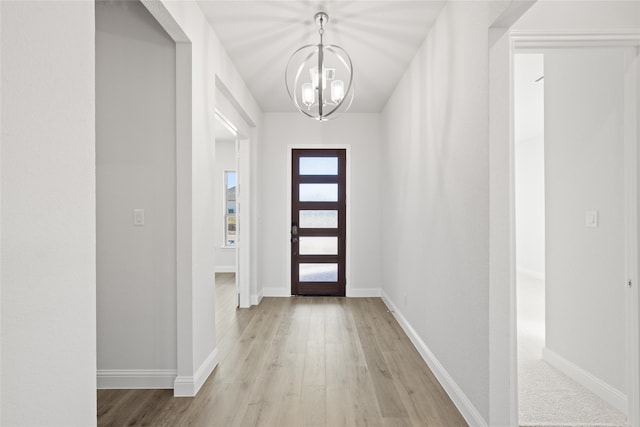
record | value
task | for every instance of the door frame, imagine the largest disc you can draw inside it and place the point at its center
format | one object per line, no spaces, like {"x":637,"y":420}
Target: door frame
{"x":286,"y":227}
{"x":243,"y":225}
{"x":232,"y":114}
{"x":503,"y":338}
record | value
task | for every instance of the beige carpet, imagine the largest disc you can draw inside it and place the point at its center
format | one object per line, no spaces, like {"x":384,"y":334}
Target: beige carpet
{"x":547,"y":398}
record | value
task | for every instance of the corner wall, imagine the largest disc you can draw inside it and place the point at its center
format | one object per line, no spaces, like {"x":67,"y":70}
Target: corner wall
{"x":48,"y":214}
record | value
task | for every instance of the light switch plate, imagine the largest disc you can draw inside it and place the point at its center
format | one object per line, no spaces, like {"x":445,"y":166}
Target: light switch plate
{"x":591,"y":219}
{"x":138,"y":217}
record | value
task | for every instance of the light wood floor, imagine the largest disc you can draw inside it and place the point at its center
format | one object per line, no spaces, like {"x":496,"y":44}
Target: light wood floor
{"x":302,"y":361}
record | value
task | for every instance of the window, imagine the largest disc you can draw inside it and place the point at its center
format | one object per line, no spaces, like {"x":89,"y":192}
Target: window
{"x":230,"y":208}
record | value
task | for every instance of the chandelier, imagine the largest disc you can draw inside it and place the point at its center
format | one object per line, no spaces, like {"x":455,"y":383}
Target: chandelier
{"x":319,"y":78}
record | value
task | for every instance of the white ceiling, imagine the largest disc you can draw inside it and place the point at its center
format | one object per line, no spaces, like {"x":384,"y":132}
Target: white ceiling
{"x":380,"y":36}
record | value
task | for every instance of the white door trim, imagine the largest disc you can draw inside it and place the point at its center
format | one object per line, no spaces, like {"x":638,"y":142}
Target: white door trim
{"x":502,"y":207}
{"x":243,"y":227}
{"x":235,"y":120}
{"x":632,"y":108}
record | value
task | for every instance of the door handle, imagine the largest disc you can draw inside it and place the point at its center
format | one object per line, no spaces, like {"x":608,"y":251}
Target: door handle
{"x":294,"y":233}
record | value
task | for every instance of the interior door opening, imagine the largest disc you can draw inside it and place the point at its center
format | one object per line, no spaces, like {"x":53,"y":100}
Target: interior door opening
{"x":226,"y":258}
{"x":318,"y":222}
{"x":570,"y":203}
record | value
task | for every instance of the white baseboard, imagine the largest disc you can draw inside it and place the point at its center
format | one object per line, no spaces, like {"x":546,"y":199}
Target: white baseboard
{"x":225,"y":269}
{"x":363,"y":292}
{"x":256,"y":298}
{"x":538,"y":275}
{"x":462,"y":402}
{"x":135,"y":378}
{"x":186,"y":386}
{"x":276,"y":292}
{"x":610,"y":394}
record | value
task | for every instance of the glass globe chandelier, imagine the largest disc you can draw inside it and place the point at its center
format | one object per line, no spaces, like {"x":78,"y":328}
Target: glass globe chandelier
{"x":319,"y":78}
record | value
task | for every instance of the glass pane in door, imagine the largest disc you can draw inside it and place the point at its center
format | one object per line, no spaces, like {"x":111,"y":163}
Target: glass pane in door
{"x":316,"y":272}
{"x":318,"y":166}
{"x":318,"y":219}
{"x":318,"y":192}
{"x":318,"y":245}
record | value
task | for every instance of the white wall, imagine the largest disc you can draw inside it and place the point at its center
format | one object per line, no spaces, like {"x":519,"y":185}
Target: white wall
{"x":48,"y":214}
{"x":362,"y":133}
{"x":584,"y":156}
{"x":529,"y":163}
{"x":206,"y":60}
{"x":136,"y":169}
{"x":225,"y":257}
{"x":530,"y":219}
{"x":436,"y":183}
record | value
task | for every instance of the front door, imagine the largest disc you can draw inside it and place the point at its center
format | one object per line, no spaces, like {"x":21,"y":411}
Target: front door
{"x":318,"y":222}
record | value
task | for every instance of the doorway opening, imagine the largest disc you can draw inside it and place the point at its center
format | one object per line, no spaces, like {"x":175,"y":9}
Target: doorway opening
{"x":226,"y":170}
{"x":571,"y":175}
{"x":235,"y":133}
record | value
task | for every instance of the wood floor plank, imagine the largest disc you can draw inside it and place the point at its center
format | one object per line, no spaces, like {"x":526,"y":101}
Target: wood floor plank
{"x":388,"y":397}
{"x":313,"y":406}
{"x":363,"y":397}
{"x":304,"y":361}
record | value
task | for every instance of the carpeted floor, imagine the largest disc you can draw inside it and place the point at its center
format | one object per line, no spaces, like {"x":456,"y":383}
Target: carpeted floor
{"x":548,"y":398}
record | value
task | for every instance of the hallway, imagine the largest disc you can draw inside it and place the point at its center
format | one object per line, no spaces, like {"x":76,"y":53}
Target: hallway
{"x":300,"y":361}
